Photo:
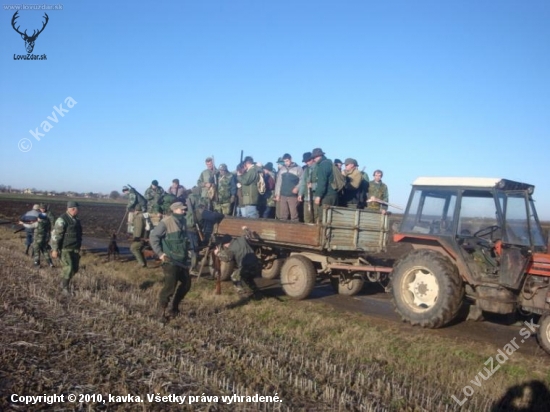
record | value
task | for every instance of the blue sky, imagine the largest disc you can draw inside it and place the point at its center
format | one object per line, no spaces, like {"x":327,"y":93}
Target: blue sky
{"x":415,"y":88}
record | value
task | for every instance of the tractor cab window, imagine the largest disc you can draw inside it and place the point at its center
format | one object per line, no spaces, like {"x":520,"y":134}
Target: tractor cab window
{"x":430,"y":211}
{"x":479,"y":215}
{"x":522,"y":227}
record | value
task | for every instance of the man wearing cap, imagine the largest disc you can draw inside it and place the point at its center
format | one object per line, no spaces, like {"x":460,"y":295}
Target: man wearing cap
{"x":286,"y":189}
{"x":66,"y":242}
{"x":227,"y":191}
{"x":248,"y":181}
{"x":169,"y":241}
{"x":45,"y":209}
{"x":378,"y":193}
{"x":324,"y":193}
{"x":338,"y":163}
{"x":154,"y":195}
{"x":29,"y":221}
{"x":355,"y":190}
{"x":134,"y":198}
{"x":139,"y":235}
{"x":308,"y":183}
{"x":208,"y":182}
{"x":247,"y":265}
{"x":41,"y":239}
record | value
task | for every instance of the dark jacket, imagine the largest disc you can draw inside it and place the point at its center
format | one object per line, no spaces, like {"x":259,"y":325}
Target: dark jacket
{"x":170,"y":237}
{"x":67,"y":233}
{"x":249,"y":186}
{"x":323,"y":172}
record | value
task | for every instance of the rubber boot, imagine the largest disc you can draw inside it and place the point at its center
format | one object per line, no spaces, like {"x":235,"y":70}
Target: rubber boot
{"x":27,"y":250}
{"x":65,"y":287}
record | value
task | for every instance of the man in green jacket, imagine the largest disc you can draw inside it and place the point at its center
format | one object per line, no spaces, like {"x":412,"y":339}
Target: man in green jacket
{"x":154,"y":195}
{"x":138,"y":236}
{"x":324,"y":193}
{"x":66,"y":242}
{"x":41,"y":238}
{"x":169,"y":242}
{"x":247,"y":265}
{"x":248,"y":182}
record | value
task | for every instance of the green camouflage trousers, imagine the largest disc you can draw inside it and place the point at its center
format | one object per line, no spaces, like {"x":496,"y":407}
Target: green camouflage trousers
{"x":247,"y":275}
{"x":70,"y":260}
{"x":224,"y":208}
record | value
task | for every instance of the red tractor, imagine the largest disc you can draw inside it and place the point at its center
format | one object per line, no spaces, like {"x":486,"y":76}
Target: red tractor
{"x":475,"y":239}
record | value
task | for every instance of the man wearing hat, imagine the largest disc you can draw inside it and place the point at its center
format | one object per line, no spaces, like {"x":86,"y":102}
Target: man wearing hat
{"x":66,"y":242}
{"x":44,"y":209}
{"x":139,"y":235}
{"x":29,"y":221}
{"x":247,"y":265}
{"x":169,"y":241}
{"x":286,"y":189}
{"x":154,"y":195}
{"x":324,"y":193}
{"x":338,"y":163}
{"x":227,"y":191}
{"x":247,"y":180}
{"x":355,"y":190}
{"x":308,"y":182}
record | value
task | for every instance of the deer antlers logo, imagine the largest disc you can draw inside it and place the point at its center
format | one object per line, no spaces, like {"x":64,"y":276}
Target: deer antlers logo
{"x":29,"y":40}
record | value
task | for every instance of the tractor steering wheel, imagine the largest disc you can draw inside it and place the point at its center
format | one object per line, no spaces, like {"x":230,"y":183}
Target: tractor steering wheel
{"x":486,"y":231}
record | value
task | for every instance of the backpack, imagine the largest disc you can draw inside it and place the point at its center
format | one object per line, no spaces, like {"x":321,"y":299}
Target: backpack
{"x":338,"y":179}
{"x":261,"y":183}
{"x":270,"y":182}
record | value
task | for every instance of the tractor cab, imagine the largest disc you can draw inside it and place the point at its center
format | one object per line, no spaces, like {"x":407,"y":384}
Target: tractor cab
{"x":488,"y":226}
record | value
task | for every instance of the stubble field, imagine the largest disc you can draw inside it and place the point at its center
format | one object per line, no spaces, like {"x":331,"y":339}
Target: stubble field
{"x":106,"y":339}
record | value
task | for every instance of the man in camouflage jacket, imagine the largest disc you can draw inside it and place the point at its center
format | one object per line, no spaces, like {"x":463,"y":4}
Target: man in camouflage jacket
{"x":41,"y":238}
{"x":66,"y":242}
{"x":227,"y":191}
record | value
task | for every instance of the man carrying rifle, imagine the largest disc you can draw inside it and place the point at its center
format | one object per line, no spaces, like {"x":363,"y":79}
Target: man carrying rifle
{"x":308,"y":182}
{"x":134,"y":198}
{"x":30,"y":221}
{"x":208,"y":182}
{"x":378,"y":193}
{"x":169,"y":241}
{"x":227,"y":191}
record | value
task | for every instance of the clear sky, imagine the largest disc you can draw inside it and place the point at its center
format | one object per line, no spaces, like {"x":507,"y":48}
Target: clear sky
{"x":415,"y":88}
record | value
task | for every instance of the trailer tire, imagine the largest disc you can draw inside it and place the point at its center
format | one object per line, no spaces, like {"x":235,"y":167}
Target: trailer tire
{"x":298,"y":277}
{"x":272,"y":268}
{"x":226,"y":268}
{"x":427,"y":289}
{"x":543,"y":334}
{"x":347,"y":287}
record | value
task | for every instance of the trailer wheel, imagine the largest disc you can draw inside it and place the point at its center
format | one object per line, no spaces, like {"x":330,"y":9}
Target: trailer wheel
{"x":348,"y":287}
{"x":226,"y":268}
{"x":427,"y":289}
{"x":272,"y":268}
{"x":298,"y":277}
{"x":543,"y":334}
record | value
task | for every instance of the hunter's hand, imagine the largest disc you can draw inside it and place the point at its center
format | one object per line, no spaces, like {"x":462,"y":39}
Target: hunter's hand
{"x":317,"y":200}
{"x":54,"y":254}
{"x":300,"y":199}
{"x":164,"y":257}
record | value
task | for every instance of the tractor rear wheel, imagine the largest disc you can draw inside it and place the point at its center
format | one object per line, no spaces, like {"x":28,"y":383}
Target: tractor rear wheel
{"x":427,"y":289}
{"x":298,"y":277}
{"x":543,"y":334}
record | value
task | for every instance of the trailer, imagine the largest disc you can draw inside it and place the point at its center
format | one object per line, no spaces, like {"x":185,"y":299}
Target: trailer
{"x":337,"y":248}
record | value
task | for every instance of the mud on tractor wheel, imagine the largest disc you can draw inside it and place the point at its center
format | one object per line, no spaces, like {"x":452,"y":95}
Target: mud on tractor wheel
{"x":427,"y":289}
{"x":298,"y":277}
